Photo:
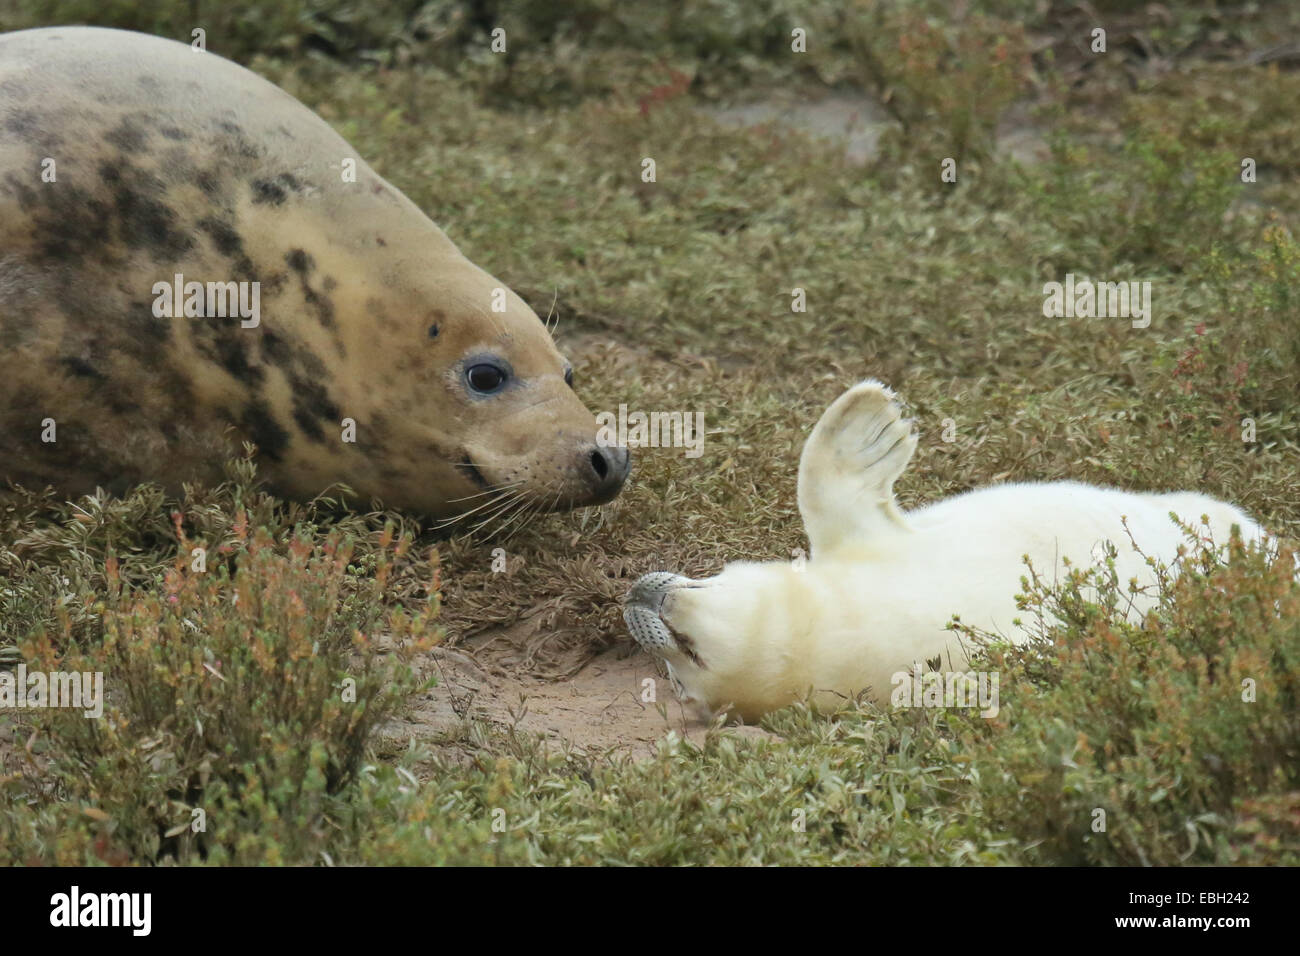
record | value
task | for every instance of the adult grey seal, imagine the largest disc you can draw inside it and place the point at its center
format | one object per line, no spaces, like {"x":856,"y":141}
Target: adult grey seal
{"x":190,"y":258}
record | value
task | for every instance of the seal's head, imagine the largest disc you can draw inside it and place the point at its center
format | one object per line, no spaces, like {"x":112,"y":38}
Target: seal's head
{"x":469,"y":408}
{"x":461,"y":400}
{"x":463,"y":404}
{"x":527,"y":429}
{"x":508,"y":421}
{"x":679,"y":621}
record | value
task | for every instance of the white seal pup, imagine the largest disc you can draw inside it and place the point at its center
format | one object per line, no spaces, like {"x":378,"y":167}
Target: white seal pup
{"x":880,"y":587}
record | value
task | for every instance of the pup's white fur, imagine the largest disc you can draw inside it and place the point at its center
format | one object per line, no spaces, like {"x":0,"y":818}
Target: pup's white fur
{"x":880,"y":586}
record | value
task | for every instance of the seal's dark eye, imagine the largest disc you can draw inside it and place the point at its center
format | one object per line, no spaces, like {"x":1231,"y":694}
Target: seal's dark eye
{"x":568,"y":377}
{"x":485,"y":378}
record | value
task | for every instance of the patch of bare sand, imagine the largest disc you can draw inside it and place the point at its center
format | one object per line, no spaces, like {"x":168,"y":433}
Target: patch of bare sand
{"x":600,"y":709}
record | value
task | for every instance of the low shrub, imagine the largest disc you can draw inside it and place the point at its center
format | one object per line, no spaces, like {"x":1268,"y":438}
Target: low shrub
{"x":1133,"y":742}
{"x":240,"y":701}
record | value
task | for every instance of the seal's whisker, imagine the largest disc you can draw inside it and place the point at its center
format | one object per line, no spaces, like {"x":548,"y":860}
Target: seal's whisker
{"x":520,"y":519}
{"x":491,"y":524}
{"x":551,"y":311}
{"x":497,"y":489}
{"x":537,"y":509}
{"x":505,"y":520}
{"x":509,"y":502}
{"x":497,"y":496}
{"x":459,"y":516}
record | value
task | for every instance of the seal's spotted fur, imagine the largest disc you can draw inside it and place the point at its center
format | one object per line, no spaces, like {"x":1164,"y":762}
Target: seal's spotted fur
{"x":174,"y":161}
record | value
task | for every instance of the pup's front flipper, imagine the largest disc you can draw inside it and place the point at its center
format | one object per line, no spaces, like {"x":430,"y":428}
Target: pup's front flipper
{"x":850,"y":462}
{"x":644,"y":612}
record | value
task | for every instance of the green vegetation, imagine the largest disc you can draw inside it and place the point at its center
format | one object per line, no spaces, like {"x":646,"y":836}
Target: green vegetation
{"x":676,"y":295}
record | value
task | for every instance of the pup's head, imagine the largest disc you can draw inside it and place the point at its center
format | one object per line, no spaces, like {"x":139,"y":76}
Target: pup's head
{"x":709,"y":634}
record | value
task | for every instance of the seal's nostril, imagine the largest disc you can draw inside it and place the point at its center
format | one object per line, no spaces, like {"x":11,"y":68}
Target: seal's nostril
{"x":609,"y":467}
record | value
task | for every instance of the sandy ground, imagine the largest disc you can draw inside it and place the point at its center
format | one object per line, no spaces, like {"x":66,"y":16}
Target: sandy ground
{"x":599,"y":708}
{"x":618,"y":703}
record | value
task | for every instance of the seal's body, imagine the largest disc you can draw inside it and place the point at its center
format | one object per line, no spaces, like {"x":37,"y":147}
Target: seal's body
{"x":880,"y":587}
{"x":190,"y":259}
